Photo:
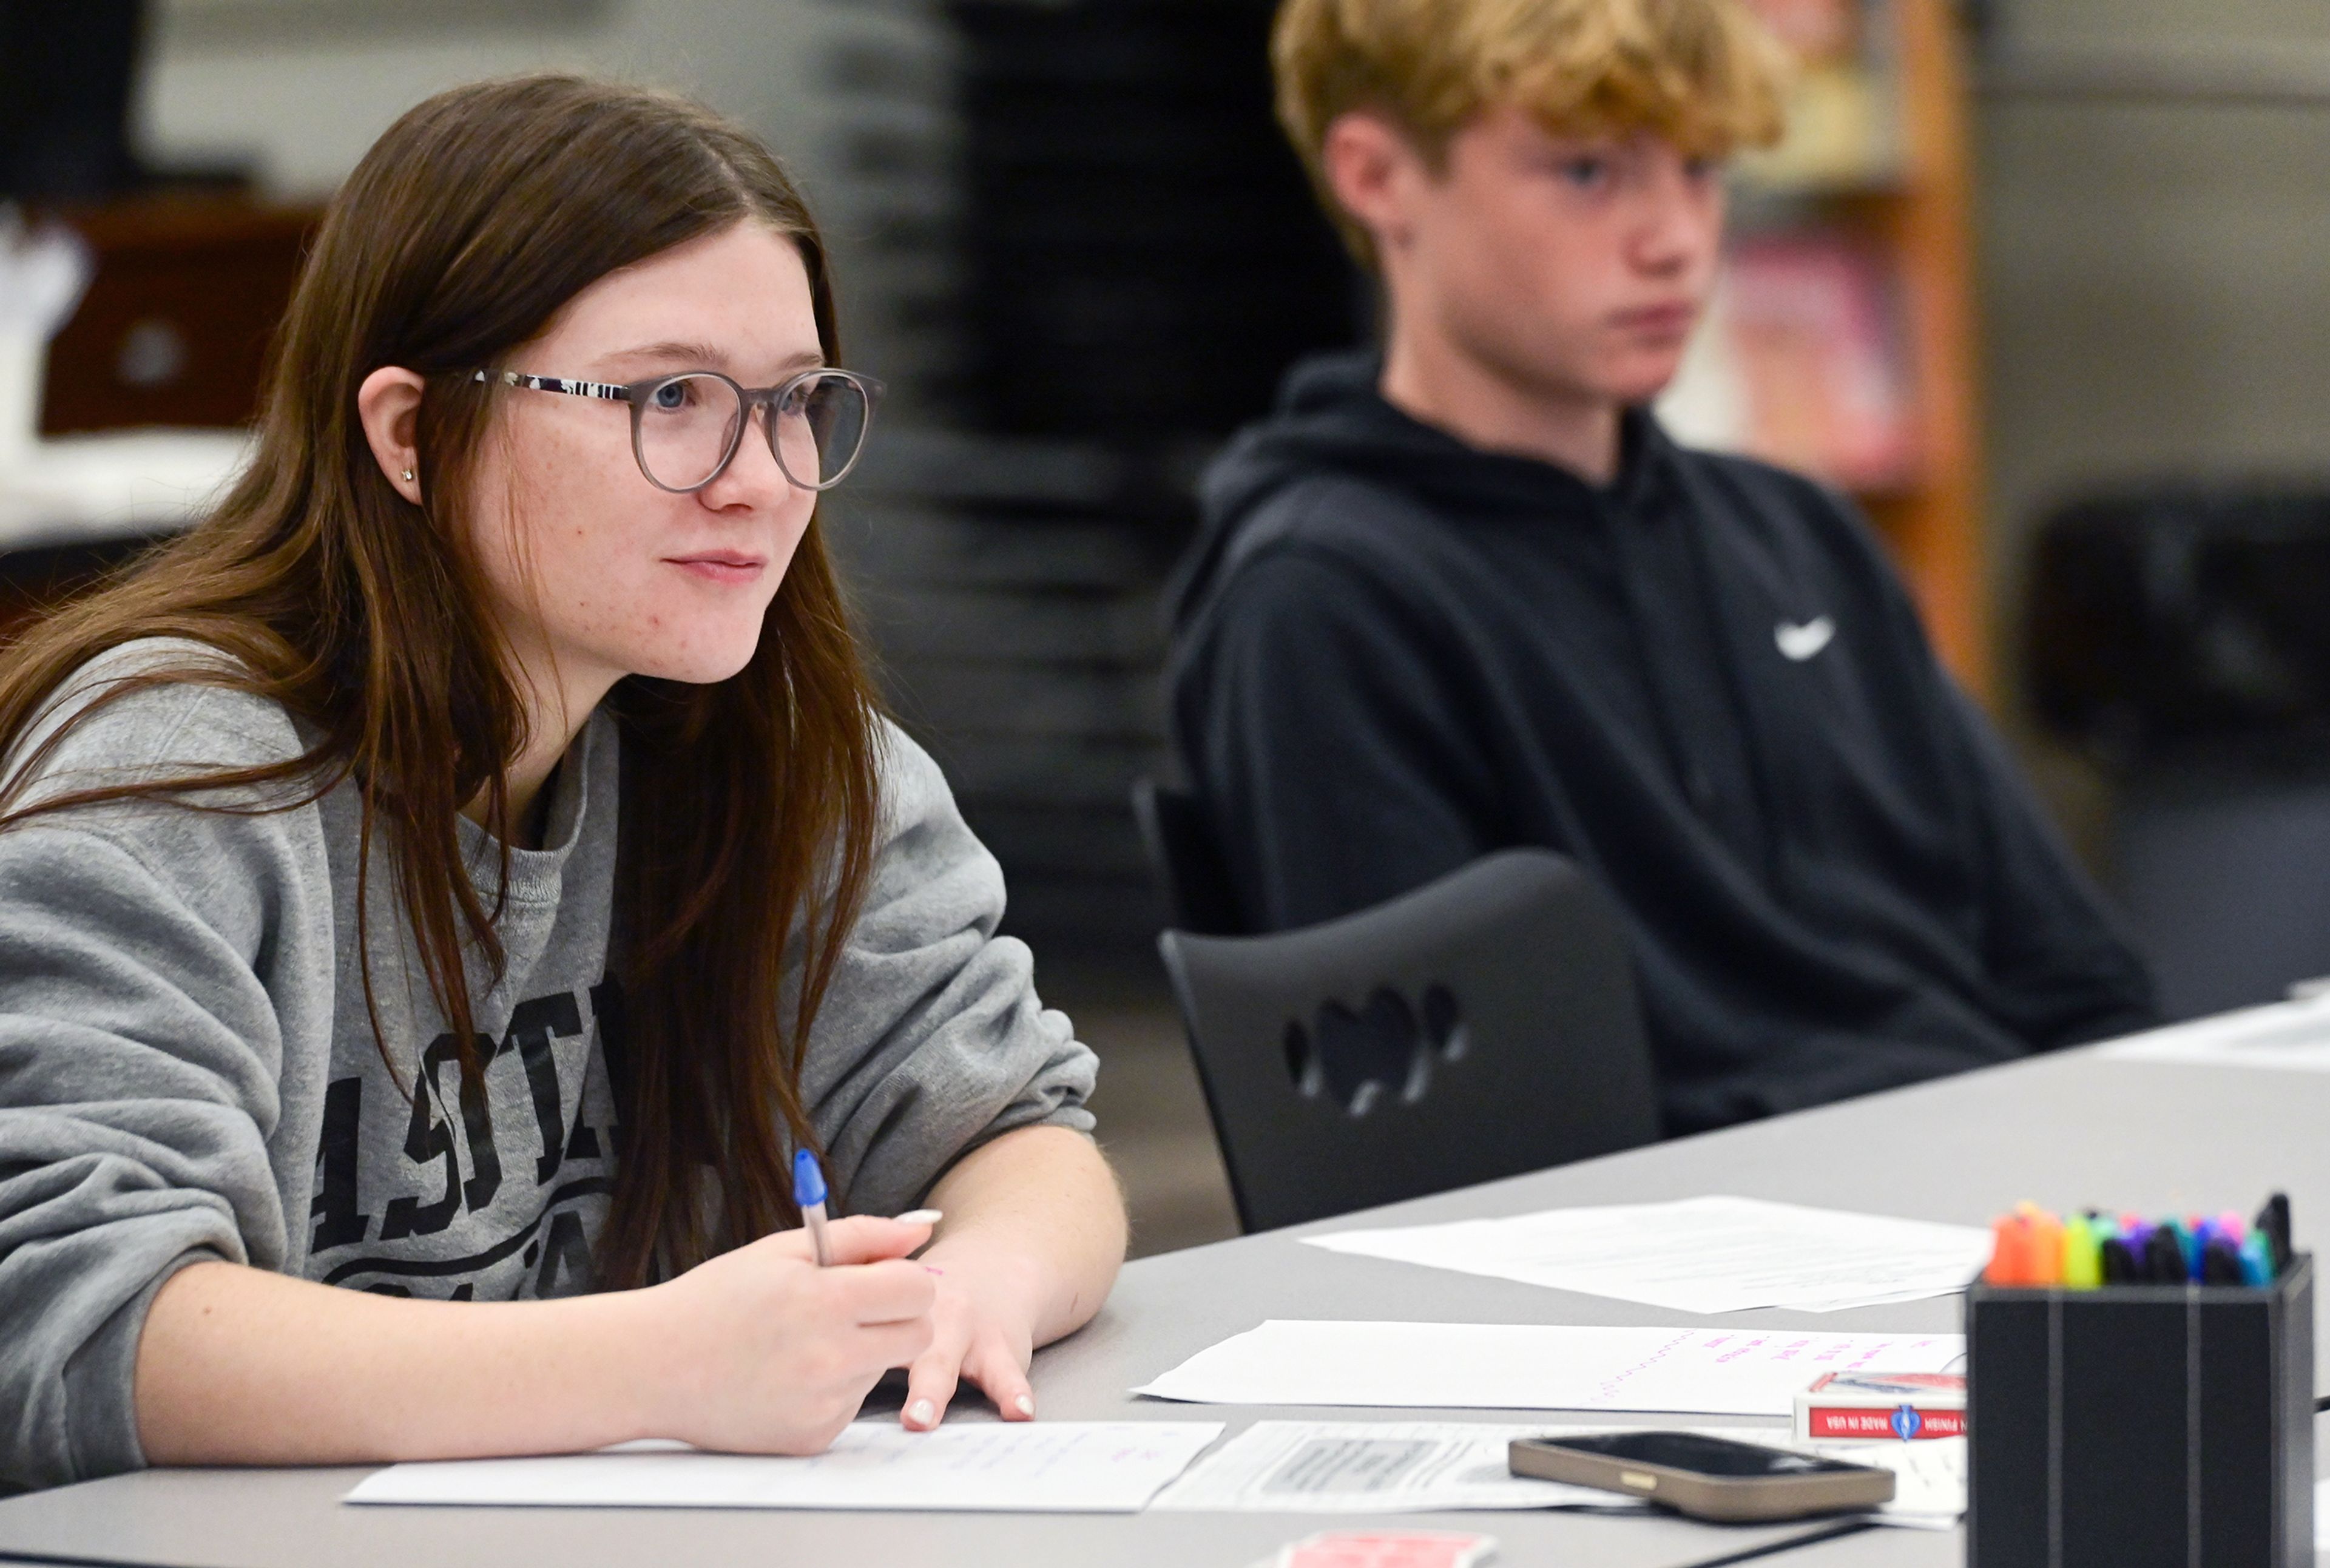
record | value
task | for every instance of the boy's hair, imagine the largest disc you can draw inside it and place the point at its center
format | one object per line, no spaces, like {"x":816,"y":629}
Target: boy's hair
{"x":1705,"y":74}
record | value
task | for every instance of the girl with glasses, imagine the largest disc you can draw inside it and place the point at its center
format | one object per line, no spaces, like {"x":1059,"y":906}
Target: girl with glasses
{"x":441,"y":893}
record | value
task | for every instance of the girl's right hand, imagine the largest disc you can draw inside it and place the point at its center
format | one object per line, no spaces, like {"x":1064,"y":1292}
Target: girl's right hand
{"x":759,"y":1351}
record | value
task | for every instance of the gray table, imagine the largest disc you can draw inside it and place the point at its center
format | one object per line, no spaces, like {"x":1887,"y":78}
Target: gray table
{"x":2064,"y":1130}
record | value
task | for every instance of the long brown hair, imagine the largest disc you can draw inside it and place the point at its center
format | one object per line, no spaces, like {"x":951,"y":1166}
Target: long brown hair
{"x":748,"y":807}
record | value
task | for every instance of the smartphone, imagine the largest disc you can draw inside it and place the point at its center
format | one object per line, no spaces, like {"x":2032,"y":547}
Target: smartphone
{"x":1703,"y":1477}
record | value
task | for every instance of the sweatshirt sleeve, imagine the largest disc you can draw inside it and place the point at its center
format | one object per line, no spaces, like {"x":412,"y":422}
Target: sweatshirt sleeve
{"x":1315,"y":724}
{"x":2063,"y":970}
{"x":2067,"y":970}
{"x":931,"y":1041}
{"x":140,"y":1056}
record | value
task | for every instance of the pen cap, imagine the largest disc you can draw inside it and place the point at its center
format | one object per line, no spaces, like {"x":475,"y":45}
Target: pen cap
{"x":808,"y":1180}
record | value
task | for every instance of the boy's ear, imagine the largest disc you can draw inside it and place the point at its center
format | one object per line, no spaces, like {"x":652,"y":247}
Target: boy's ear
{"x":1373,"y":170}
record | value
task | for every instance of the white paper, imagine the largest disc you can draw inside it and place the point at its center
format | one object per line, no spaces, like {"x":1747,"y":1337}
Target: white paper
{"x":79,"y":487}
{"x":1697,"y":1255}
{"x":1019,"y":1466}
{"x":43,"y":271}
{"x":2286,"y":1037}
{"x":1929,"y":1478}
{"x":1369,"y":1467}
{"x":2322,"y":1515}
{"x":1421,"y":1466}
{"x":1537,"y":1366}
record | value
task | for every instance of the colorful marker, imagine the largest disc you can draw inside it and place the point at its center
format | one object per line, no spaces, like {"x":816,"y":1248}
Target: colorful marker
{"x":2031,"y":1247}
{"x":2006,"y":1252}
{"x":2083,"y":1260}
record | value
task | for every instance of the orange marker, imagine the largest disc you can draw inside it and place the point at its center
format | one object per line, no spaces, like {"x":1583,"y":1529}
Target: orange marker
{"x":2046,"y":1252}
{"x":2009,"y":1252}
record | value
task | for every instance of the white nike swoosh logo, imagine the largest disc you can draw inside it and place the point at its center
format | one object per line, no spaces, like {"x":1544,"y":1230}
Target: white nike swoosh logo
{"x":1801,"y":642}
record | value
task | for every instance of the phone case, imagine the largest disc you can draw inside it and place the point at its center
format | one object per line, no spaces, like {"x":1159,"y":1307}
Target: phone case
{"x":1726,"y":1500}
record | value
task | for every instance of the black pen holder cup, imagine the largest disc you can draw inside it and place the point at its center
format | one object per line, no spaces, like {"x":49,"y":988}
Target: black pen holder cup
{"x":2141,"y":1426}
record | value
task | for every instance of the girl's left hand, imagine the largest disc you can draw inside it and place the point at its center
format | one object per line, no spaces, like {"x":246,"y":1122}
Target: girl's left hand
{"x":984,"y":1321}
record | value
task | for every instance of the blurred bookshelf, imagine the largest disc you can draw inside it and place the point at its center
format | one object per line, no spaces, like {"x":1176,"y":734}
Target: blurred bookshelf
{"x":1843,"y":339}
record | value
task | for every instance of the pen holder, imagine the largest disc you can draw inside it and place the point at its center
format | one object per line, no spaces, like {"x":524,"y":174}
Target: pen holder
{"x":2142,"y":1425}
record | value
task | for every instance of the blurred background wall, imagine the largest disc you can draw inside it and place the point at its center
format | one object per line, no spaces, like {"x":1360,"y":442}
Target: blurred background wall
{"x":2153,"y":211}
{"x":2153,"y":323}
{"x":2146,"y":201}
{"x":1071,"y":246}
{"x":1075,"y":247}
{"x":295,"y":90}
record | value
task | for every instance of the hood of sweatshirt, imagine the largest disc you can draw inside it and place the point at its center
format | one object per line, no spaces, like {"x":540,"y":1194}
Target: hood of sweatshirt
{"x":1330,"y":416}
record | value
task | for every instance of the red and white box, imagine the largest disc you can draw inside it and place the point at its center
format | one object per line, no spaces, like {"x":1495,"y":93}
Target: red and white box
{"x":1847,"y":1407}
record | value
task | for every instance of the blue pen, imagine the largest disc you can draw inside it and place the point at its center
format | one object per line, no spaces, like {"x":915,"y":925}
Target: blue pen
{"x":809,"y":1193}
{"x":2197,"y":1238}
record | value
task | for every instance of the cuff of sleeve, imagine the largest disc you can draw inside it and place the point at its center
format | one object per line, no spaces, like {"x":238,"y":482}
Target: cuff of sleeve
{"x":1074,"y":1117}
{"x":102,"y":1383}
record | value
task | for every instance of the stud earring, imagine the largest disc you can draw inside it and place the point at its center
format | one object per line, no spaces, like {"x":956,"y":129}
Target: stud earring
{"x":408,"y":476}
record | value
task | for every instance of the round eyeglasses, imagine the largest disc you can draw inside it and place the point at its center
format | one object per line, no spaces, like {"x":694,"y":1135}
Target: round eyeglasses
{"x":686,"y":429}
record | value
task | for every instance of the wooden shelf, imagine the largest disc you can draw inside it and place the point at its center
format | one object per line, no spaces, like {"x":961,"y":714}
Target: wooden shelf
{"x":1935,"y":526}
{"x":1908,"y":200}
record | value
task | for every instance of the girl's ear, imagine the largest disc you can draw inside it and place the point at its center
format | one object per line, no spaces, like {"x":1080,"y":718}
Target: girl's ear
{"x":389,"y":405}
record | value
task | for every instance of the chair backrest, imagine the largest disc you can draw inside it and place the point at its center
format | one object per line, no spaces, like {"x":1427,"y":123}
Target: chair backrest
{"x":1186,"y":859}
{"x":1481,"y":1026}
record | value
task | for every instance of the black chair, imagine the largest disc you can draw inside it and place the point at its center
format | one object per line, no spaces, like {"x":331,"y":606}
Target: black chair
{"x":2176,"y":634}
{"x":1186,"y":859}
{"x":1481,"y":1026}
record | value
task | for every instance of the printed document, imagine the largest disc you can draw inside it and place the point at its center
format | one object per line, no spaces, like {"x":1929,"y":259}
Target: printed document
{"x":1372,"y":1468}
{"x":1420,"y":1467}
{"x":1019,"y":1467}
{"x":1538,"y":1366}
{"x":2286,"y":1037}
{"x":1697,"y":1255}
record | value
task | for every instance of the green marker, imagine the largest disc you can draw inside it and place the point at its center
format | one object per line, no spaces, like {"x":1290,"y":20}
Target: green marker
{"x":2083,"y":1256}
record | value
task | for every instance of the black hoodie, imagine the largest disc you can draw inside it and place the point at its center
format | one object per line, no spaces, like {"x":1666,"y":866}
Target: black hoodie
{"x":1394,"y":653}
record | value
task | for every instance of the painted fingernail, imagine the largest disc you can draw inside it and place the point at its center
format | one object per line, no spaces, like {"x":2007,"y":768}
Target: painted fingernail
{"x":1025,"y":1405}
{"x":921,"y":1413}
{"x":921,"y":1217}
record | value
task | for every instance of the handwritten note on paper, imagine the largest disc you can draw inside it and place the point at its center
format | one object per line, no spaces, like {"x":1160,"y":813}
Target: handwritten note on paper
{"x":1697,"y":1255}
{"x":1534,"y":1367}
{"x":1035,"y":1466}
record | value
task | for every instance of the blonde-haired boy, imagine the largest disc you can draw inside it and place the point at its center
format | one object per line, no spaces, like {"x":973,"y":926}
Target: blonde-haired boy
{"x":1462,"y":592}
{"x":1701,"y":75}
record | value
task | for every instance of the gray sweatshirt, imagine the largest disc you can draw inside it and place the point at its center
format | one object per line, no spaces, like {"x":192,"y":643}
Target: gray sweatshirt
{"x":187,"y":1069}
